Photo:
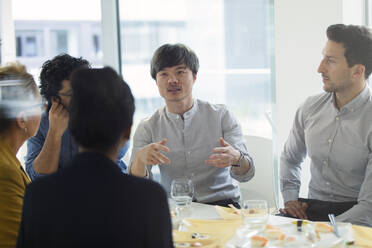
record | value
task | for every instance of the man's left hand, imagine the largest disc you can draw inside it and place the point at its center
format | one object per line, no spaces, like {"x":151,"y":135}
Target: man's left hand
{"x":224,"y":156}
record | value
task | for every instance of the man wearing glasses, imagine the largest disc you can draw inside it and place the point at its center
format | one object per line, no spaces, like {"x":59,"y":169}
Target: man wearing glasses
{"x":52,"y":147}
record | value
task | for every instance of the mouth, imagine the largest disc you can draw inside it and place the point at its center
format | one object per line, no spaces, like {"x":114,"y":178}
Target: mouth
{"x":325,"y":78}
{"x":174,"y":90}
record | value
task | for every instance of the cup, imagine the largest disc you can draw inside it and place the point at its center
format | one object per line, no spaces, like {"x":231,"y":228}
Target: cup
{"x":255,"y":214}
{"x":182,"y":191}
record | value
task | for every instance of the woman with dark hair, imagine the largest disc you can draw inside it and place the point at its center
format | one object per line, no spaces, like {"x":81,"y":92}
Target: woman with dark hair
{"x":20,"y":112}
{"x":91,"y":203}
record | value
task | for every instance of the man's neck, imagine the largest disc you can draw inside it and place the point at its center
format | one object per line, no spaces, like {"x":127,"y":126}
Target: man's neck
{"x":180,"y":107}
{"x":346,"y":96}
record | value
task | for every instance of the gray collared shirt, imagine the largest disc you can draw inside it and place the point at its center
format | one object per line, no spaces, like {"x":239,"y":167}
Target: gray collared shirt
{"x":191,"y":141}
{"x":339,"y":144}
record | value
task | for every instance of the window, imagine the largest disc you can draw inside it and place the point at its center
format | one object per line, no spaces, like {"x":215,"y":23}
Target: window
{"x":232,"y":40}
{"x":29,"y":43}
{"x":44,"y":29}
{"x":59,"y":41}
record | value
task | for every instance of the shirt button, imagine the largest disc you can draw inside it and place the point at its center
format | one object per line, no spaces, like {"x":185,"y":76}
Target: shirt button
{"x":327,"y":183}
{"x":324,"y":162}
{"x":189,"y":152}
{"x":337,"y":118}
{"x":329,"y":140}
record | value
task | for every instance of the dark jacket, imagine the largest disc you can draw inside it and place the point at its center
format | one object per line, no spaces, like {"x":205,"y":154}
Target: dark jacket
{"x":93,"y":204}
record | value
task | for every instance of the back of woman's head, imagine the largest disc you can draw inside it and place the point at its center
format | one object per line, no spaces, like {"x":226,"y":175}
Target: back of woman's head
{"x":101,"y":109}
{"x":18,"y":93}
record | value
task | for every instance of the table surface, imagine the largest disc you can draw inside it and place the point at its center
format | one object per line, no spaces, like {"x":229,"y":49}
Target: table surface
{"x":209,"y":212}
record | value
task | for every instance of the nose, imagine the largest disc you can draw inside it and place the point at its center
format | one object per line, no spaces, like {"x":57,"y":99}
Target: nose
{"x":172,"y":78}
{"x":321,"y":66}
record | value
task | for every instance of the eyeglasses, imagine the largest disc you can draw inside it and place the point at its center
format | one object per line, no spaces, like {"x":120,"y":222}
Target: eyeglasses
{"x":68,"y":94}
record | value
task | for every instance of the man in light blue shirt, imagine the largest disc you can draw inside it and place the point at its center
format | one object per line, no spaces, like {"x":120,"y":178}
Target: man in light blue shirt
{"x":52,"y":147}
{"x":189,"y":137}
{"x":335,"y":130}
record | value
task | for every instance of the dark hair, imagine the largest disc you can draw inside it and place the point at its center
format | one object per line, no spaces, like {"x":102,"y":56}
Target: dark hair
{"x":101,"y":109}
{"x":169,"y":55}
{"x":54,"y":71}
{"x":19,"y":92}
{"x":357,"y":41}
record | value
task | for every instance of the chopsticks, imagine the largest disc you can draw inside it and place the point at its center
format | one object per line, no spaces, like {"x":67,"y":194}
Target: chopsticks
{"x":334,"y":225}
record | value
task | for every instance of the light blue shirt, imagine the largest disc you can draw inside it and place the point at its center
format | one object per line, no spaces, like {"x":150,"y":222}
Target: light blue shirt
{"x":191,"y":141}
{"x":339,"y":144}
{"x":68,"y":148}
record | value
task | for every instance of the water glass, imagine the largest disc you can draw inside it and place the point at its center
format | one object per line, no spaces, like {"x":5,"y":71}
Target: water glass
{"x":182,"y":191}
{"x":255,"y":214}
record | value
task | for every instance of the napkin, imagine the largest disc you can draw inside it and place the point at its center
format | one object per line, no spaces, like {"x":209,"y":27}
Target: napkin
{"x":228,"y":213}
{"x":362,"y":236}
{"x":180,"y":237}
{"x":223,"y":230}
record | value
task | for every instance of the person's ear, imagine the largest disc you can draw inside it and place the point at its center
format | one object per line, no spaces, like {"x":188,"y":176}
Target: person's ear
{"x":21,"y":120}
{"x":359,"y":71}
{"x":126,"y":133}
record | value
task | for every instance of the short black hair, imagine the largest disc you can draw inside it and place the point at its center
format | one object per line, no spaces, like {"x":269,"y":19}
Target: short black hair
{"x":101,"y":109}
{"x":169,"y":55}
{"x":357,"y":41}
{"x":54,"y":71}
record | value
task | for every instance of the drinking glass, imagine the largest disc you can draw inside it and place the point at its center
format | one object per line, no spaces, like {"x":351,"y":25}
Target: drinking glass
{"x":182,"y":191}
{"x":255,"y":214}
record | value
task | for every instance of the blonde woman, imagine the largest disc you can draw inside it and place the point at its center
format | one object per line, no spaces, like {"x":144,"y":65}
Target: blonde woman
{"x":20,"y":110}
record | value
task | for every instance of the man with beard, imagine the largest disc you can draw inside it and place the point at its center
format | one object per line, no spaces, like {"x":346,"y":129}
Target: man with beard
{"x":334,"y":129}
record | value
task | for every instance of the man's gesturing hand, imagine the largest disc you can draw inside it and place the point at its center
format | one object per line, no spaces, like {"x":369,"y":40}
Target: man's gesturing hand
{"x":151,"y":155}
{"x":224,"y":156}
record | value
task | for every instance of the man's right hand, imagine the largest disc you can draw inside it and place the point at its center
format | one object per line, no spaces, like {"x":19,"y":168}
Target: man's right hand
{"x":151,"y":155}
{"x":58,"y":118}
{"x":295,"y":209}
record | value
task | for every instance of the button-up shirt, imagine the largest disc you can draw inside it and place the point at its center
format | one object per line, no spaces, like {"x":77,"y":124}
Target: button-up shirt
{"x":191,"y":140}
{"x":68,"y":148}
{"x":339,"y":143}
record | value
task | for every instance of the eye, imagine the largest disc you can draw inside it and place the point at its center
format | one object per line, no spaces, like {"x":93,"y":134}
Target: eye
{"x":163,"y":74}
{"x":180,"y":72}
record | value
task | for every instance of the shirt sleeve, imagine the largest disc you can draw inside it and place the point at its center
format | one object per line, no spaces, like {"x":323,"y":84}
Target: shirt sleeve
{"x":141,"y":138}
{"x":361,"y":213}
{"x":232,"y":133}
{"x":291,"y":158}
{"x":34,"y":146}
{"x":121,"y":155}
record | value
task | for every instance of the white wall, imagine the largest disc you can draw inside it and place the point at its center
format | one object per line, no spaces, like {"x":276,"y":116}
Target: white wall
{"x":300,"y":27}
{"x":7,"y":35}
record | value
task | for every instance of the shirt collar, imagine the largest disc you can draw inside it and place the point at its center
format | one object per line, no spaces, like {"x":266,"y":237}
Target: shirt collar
{"x":187,"y":115}
{"x":357,"y":102}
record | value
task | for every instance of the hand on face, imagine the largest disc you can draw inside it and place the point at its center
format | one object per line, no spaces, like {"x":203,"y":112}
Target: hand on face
{"x":295,"y":209}
{"x":151,"y":155}
{"x":223,"y":156}
{"x":58,"y":118}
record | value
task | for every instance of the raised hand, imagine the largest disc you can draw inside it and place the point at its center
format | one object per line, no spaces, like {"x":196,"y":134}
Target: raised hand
{"x":151,"y":155}
{"x":58,"y":118}
{"x":224,"y":156}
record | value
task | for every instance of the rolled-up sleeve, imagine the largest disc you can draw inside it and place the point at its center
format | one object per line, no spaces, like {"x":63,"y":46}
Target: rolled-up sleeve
{"x":232,"y":133}
{"x":141,"y":138}
{"x":291,"y":158}
{"x":34,"y":146}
